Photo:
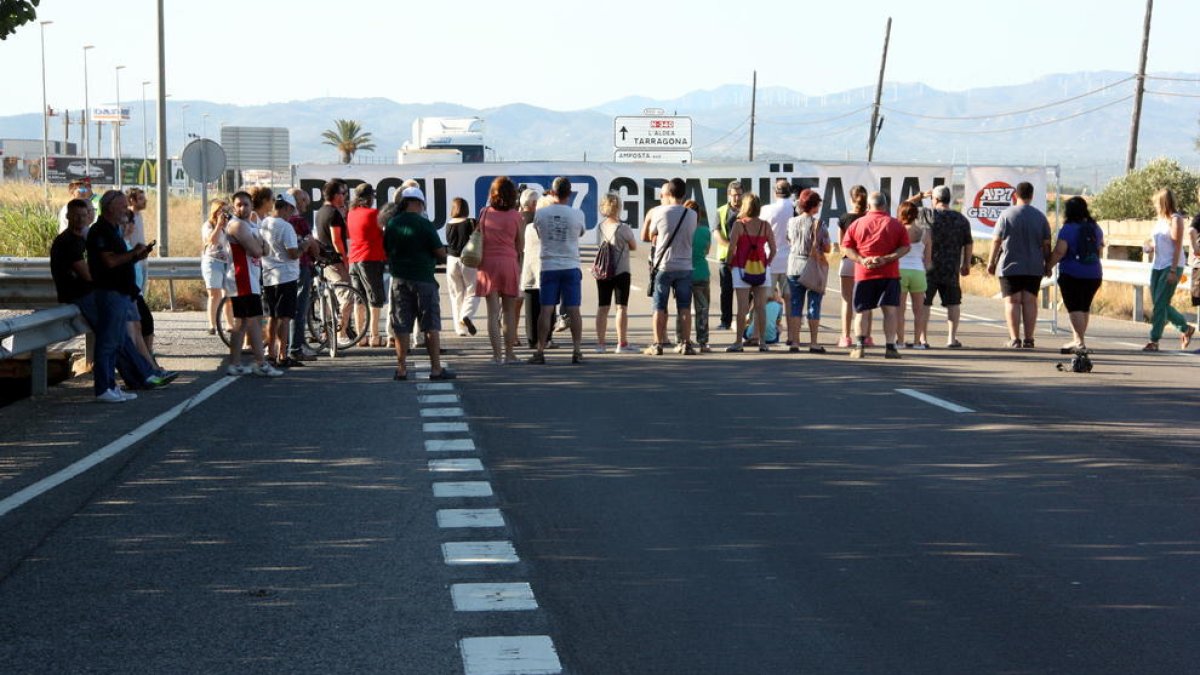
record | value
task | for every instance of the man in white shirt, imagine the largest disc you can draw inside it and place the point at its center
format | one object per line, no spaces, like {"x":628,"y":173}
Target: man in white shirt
{"x":280,"y":276}
{"x":778,"y":213}
{"x":559,"y":228}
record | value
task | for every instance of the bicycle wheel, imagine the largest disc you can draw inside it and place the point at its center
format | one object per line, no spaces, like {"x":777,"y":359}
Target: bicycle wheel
{"x":315,"y":335}
{"x":359,"y":314}
{"x":329,"y":322}
{"x":222,"y":328}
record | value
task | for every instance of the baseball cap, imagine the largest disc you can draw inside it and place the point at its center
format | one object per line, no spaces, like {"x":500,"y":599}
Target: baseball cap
{"x":413,"y":193}
{"x":941,"y":194}
{"x":286,"y":199}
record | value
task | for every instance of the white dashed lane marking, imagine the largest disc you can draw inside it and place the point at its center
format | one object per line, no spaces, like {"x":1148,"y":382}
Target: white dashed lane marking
{"x":455,"y":465}
{"x":493,"y":597}
{"x":437,"y":398}
{"x":477,"y":488}
{"x":445,"y":427}
{"x":933,"y":400}
{"x":450,"y":518}
{"x":479,"y":553}
{"x":516,"y":655}
{"x":442,"y":412}
{"x":450,"y":445}
{"x":435,"y":386}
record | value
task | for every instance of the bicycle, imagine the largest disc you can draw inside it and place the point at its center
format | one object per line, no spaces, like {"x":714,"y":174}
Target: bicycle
{"x":324,"y":315}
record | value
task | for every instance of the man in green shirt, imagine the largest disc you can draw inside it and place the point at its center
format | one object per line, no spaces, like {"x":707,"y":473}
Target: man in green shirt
{"x":414,"y":250}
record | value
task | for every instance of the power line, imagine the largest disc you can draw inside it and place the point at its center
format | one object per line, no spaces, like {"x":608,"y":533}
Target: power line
{"x":1026,"y":126}
{"x":1173,"y":79}
{"x":1014,"y":112}
{"x":1167,"y":93}
{"x":729,"y":144}
{"x":832,"y":132}
{"x":726,"y":134}
{"x":820,"y":121}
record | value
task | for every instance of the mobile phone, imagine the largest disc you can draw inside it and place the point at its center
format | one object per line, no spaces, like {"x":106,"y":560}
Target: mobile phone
{"x":152,"y":243}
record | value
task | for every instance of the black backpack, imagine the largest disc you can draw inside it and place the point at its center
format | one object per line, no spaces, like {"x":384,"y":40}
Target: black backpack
{"x":1088,"y":249}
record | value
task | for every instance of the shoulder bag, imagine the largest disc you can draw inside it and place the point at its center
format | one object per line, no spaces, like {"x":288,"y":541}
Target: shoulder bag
{"x":472,"y":253}
{"x":814,"y":275}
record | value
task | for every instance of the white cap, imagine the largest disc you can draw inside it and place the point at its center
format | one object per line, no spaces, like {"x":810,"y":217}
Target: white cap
{"x":286,"y":198}
{"x":413,"y":193}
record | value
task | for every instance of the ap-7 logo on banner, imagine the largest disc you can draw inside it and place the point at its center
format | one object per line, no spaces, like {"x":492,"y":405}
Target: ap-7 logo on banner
{"x":583,"y":192}
{"x":990,"y":202}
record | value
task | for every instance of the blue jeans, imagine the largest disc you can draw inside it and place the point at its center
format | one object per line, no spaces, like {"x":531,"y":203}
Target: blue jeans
{"x":129,"y":362}
{"x":303,"y":295}
{"x":679,"y":281}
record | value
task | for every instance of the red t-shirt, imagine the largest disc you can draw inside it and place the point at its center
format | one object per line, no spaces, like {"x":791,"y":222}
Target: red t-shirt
{"x":366,"y":237}
{"x":872,"y":235}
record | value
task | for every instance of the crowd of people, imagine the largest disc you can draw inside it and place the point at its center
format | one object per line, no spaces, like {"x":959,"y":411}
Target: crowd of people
{"x":521,"y":250}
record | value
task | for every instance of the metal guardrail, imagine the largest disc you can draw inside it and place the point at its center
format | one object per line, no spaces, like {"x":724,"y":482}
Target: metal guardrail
{"x":33,"y":333}
{"x":25,"y":283}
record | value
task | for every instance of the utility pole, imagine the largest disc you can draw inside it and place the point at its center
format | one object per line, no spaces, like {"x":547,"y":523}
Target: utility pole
{"x":753,"y":102}
{"x":1136,"y":122}
{"x":876,"y":122}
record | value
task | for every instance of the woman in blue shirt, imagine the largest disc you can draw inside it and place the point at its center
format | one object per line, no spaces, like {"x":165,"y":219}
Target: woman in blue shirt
{"x":1077,"y":254}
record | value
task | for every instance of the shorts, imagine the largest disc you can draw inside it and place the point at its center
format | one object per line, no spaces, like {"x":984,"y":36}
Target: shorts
{"x":334,"y":275}
{"x":802,"y":298}
{"x":847,"y":268}
{"x":367,"y":277}
{"x":145,"y":316}
{"x":279,"y":301}
{"x":415,"y":300}
{"x":779,"y":280}
{"x":1077,"y":293}
{"x":1027,"y":283}
{"x":562,"y":287}
{"x":872,"y":293}
{"x":950,"y":291}
{"x":247,"y":306}
{"x":214,"y":273}
{"x":678,"y":280}
{"x":618,"y":285}
{"x":913,"y":281}
{"x":738,"y":282}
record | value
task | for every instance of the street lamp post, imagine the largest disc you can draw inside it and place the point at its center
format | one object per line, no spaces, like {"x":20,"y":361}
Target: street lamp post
{"x":87,"y":141}
{"x":145,"y":123}
{"x":45,"y":117}
{"x":117,"y":135}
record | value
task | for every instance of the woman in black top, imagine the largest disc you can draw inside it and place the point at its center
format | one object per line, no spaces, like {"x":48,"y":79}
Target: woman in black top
{"x":463,"y":303}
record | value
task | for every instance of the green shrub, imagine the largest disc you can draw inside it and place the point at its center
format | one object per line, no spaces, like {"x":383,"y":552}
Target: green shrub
{"x":27,"y":228}
{"x":1128,"y":197}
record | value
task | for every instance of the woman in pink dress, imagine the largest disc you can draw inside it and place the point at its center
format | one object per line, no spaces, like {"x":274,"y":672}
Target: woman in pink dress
{"x":499,"y":271}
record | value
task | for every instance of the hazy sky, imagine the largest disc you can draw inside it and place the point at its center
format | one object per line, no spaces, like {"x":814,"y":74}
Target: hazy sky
{"x":570,"y":55}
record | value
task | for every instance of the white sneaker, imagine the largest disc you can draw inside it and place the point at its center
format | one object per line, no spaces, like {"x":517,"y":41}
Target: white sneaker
{"x":127,"y":395}
{"x":235,"y":371}
{"x":266,"y":370}
{"x":113,"y":395}
{"x":601,"y":349}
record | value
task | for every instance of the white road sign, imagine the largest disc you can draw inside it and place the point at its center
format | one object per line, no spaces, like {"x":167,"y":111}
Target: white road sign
{"x":652,"y":132}
{"x":112,"y":114}
{"x":653,"y":156}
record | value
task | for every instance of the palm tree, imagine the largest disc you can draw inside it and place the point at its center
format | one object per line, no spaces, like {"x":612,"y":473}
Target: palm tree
{"x":348,"y":137}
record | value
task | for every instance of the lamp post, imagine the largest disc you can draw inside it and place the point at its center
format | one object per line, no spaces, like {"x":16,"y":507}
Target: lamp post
{"x":117,"y":134}
{"x":87,"y":116}
{"x":203,"y":125}
{"x":183,"y":121}
{"x":145,"y":144}
{"x":45,"y":117}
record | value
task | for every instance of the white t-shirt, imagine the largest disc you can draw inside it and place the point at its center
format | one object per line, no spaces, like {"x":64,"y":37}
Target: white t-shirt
{"x":663,"y":220}
{"x":279,"y":267}
{"x":777,"y":214}
{"x":559,"y":228}
{"x":620,"y":236}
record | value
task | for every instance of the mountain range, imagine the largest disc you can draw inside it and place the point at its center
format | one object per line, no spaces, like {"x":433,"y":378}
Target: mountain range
{"x":920,"y":124}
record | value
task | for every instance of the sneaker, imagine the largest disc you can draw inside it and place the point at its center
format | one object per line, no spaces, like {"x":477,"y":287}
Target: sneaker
{"x":653,"y":350}
{"x":550,"y":345}
{"x":689,"y":350}
{"x":679,"y":348}
{"x":922,"y":345}
{"x":266,"y":370}
{"x":601,"y":349}
{"x":869,"y":342}
{"x":1014,"y":344}
{"x":723,"y":326}
{"x":1027,"y":343}
{"x":469,"y":325}
{"x":446,"y":374}
{"x":156,"y":382}
{"x":113,"y":395}
{"x":843,"y":341}
{"x":891,"y":353}
{"x":705,"y":349}
{"x":576,"y":356}
{"x":954,"y":344}
{"x":300,"y":356}
{"x":818,"y":349}
{"x":235,"y":371}
{"x":537,"y":359}
{"x":734,"y":349}
{"x":793,"y":349}
{"x":764,"y":348}
{"x":289,"y":362}
{"x":127,"y":395}
{"x":857,"y":352}
{"x":622,"y":348}
{"x":561,"y":325}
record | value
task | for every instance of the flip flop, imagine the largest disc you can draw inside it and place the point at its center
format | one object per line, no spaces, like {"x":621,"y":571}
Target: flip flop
{"x":1186,"y":338}
{"x":1150,"y":347}
{"x":399,"y":376}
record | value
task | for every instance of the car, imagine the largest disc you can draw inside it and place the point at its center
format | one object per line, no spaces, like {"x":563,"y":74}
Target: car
{"x":82,"y":168}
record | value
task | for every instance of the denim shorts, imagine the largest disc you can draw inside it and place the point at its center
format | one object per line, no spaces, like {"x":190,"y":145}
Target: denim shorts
{"x":562,"y":287}
{"x":415,"y":301}
{"x":681,"y":282}
{"x":214,"y":272}
{"x":802,"y":298}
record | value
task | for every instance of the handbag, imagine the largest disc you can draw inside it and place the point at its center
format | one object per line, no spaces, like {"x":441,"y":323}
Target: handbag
{"x":658,"y":259}
{"x":814,"y":275}
{"x":472,"y":253}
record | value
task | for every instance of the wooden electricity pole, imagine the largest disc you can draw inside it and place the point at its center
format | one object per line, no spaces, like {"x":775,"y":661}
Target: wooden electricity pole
{"x":875,"y":121}
{"x":753,"y":101}
{"x":1136,"y":122}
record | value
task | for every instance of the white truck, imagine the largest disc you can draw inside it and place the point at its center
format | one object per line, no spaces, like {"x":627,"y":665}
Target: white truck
{"x":462,"y":134}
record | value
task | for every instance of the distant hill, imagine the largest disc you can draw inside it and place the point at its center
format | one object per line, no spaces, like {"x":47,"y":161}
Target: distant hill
{"x":790,"y":124}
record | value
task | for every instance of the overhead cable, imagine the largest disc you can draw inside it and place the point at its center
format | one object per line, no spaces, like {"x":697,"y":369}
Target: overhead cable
{"x":940,"y":130}
{"x":1013,"y":112}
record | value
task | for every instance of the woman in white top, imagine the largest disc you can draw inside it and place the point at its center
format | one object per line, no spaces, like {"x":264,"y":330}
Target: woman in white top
{"x":621,"y":239}
{"x":913,"y":266}
{"x":1166,"y":272}
{"x":215,"y":260}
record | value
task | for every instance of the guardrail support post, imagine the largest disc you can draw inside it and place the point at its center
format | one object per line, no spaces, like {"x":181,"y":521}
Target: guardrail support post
{"x":1138,"y":307}
{"x":39,"y":377}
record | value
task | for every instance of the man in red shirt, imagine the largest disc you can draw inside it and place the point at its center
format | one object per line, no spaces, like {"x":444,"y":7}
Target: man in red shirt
{"x":876,"y":242}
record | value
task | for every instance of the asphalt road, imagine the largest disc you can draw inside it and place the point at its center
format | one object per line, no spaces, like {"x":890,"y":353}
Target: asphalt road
{"x":711,"y":514}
